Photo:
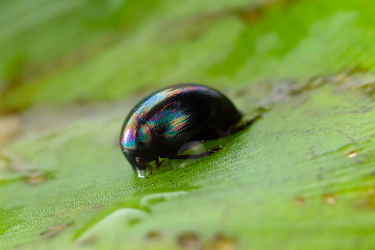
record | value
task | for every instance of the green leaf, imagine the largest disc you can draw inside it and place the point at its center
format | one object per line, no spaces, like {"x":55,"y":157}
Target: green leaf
{"x":301,"y":177}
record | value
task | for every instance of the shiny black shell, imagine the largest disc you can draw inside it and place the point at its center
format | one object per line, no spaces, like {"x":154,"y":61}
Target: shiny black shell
{"x":162,"y":123}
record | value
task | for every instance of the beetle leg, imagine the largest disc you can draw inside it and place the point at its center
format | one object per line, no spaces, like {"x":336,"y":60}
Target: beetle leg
{"x":150,"y":169}
{"x":205,"y":154}
{"x":157,"y":163}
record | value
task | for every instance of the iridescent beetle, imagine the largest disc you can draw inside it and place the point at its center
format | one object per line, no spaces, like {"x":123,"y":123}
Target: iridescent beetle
{"x":165,"y":122}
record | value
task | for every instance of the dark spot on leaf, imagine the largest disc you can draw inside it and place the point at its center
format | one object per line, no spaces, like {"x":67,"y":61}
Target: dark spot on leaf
{"x":56,"y":229}
{"x":189,"y":241}
{"x":241,"y":92}
{"x":98,"y":207}
{"x":255,"y":12}
{"x":153,"y":235}
{"x":222,"y":242}
{"x":299,"y":200}
{"x":35,"y":178}
{"x":251,"y":14}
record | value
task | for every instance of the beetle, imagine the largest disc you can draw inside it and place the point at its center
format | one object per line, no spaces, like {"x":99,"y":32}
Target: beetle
{"x":166,"y":122}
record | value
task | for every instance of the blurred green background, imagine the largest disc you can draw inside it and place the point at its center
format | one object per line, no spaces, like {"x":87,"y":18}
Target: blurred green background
{"x":301,"y":178}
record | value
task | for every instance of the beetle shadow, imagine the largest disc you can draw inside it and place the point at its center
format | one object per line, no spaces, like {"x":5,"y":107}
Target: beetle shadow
{"x":191,"y":153}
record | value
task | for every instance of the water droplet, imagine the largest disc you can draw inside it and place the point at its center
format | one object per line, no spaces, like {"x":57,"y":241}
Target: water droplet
{"x":221,"y":242}
{"x":117,"y":220}
{"x":330,"y":199}
{"x":141,"y":174}
{"x":189,"y":241}
{"x":299,"y":201}
{"x":352,"y":154}
{"x":159,"y":197}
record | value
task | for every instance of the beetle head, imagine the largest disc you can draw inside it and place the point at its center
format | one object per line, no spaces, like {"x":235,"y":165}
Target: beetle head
{"x":136,"y":143}
{"x":138,"y":162}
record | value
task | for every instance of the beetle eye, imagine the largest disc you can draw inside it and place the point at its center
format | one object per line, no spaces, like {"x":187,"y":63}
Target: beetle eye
{"x":141,"y":161}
